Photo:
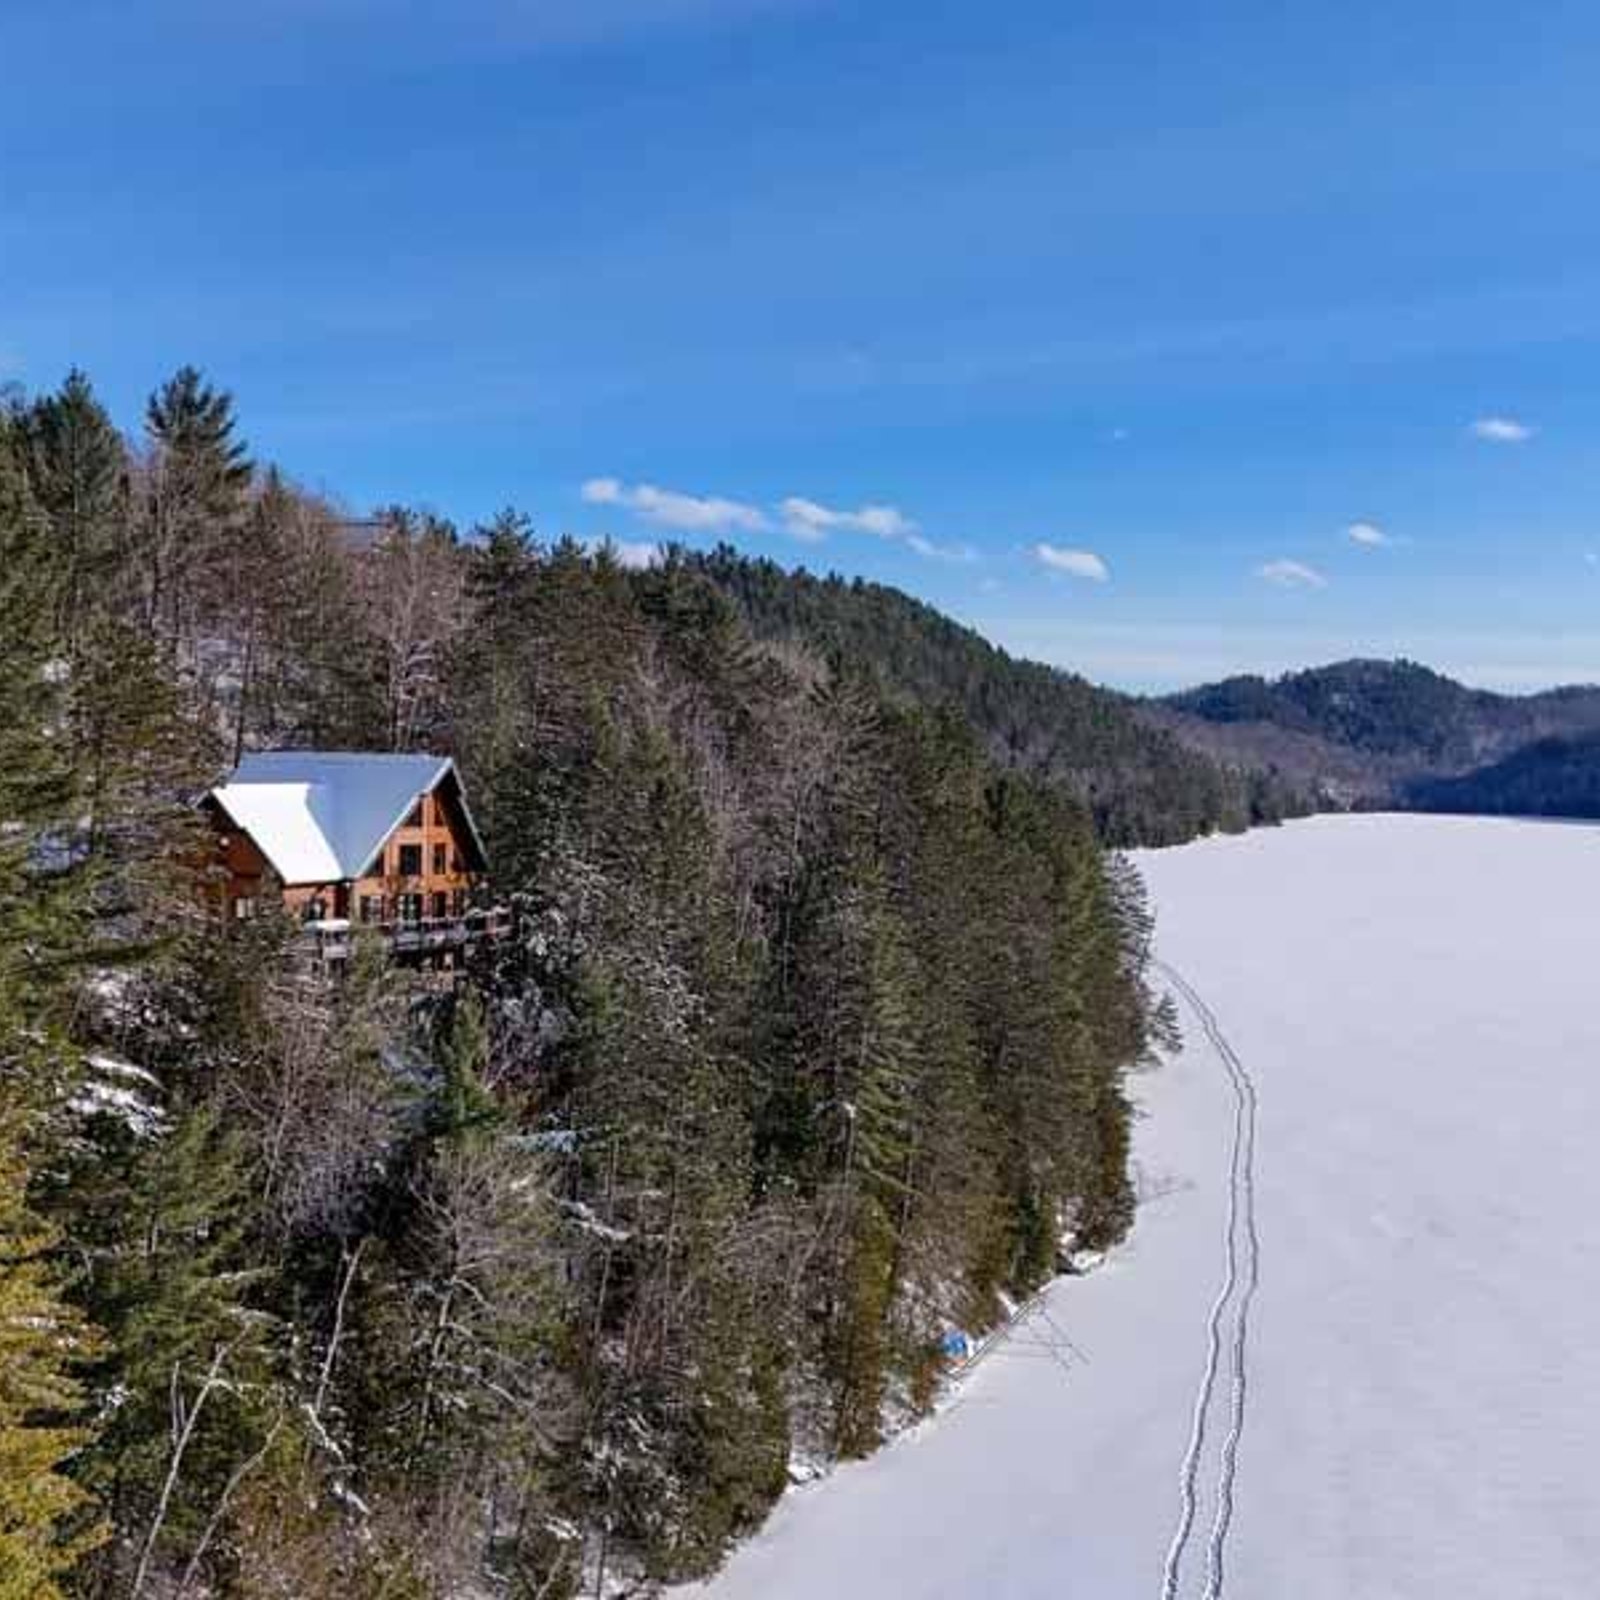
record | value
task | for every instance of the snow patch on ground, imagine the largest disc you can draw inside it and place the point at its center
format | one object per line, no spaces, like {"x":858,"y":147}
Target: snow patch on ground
{"x":116,"y":1088}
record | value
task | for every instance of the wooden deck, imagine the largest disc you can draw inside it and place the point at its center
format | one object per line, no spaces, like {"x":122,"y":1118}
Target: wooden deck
{"x":425,"y":941}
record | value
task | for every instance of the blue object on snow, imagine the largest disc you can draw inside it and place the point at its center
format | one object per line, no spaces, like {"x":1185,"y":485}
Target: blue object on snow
{"x":955,"y":1344}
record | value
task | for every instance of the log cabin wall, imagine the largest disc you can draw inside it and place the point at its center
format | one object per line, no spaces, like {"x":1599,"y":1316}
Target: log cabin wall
{"x":247,"y":880}
{"x":422,"y":873}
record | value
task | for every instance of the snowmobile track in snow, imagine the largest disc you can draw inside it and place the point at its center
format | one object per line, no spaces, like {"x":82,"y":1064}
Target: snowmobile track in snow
{"x":1241,"y":1279}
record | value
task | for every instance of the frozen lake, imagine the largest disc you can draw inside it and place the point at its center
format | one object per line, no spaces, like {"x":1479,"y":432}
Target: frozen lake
{"x":1414,"y":1002}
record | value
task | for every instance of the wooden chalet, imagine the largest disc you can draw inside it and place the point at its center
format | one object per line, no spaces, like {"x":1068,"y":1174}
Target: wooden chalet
{"x":345,"y":840}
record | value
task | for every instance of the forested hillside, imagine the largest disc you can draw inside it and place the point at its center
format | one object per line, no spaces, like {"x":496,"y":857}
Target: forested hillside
{"x":1398,"y":734}
{"x":1548,"y":778}
{"x":810,"y":1044}
{"x":1142,"y":785}
{"x":1382,"y":708}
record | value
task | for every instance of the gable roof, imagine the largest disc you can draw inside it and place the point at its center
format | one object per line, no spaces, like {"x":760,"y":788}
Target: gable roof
{"x":322,"y":816}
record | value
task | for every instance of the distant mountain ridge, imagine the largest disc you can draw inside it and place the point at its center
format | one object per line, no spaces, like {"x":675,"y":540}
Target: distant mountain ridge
{"x":1356,"y":734}
{"x":1395,"y":733}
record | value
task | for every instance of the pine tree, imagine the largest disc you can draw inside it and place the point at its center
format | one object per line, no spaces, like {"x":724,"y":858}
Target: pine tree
{"x":43,"y":892}
{"x":465,"y":1109}
{"x":46,"y":1519}
{"x":194,"y":425}
{"x":78,"y":471}
{"x":196,"y":1357}
{"x":490,"y":679}
{"x":44,"y":928}
{"x":198,"y":475}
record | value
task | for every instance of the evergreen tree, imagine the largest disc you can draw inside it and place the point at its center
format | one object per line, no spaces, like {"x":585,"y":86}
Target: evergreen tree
{"x":465,"y":1108}
{"x":45,"y":927}
{"x":43,"y":892}
{"x":195,"y":1351}
{"x":194,"y":426}
{"x":198,"y":475}
{"x":46,"y":1519}
{"x":78,"y":472}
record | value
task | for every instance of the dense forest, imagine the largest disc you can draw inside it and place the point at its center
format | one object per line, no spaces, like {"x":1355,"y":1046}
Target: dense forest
{"x":811,"y":1043}
{"x":1547,"y":778}
{"x":1139,"y":781}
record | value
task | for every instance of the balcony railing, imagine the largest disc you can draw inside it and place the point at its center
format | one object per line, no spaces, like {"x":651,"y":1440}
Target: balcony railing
{"x":333,"y":939}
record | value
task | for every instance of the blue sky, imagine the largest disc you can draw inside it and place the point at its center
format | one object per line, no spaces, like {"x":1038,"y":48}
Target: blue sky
{"x":1098,"y":326}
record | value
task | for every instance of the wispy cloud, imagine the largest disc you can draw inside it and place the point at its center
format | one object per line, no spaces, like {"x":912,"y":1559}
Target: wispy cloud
{"x":1074,"y":563}
{"x":1502,"y":430}
{"x":671,"y":508}
{"x":812,"y":521}
{"x":1368,"y":534}
{"x":930,"y":551}
{"x":798,"y":516}
{"x":806,"y":519}
{"x":1288,"y":574}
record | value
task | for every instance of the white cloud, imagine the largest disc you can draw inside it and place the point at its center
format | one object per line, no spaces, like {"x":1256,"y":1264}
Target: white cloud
{"x":806,"y":519}
{"x":1502,"y":430}
{"x":798,"y":516}
{"x":939,"y":552}
{"x":1292,"y":575}
{"x":672,"y":509}
{"x":1366,"y":533}
{"x":1075,"y":563}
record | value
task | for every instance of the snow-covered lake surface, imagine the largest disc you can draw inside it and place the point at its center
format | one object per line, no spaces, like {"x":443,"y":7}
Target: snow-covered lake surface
{"x":1415,"y":1001}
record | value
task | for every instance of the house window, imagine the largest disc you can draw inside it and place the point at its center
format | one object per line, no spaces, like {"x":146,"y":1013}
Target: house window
{"x":458,"y":902}
{"x":440,"y":904}
{"x":440,"y":854}
{"x":371,"y":908}
{"x":244,"y":908}
{"x":411,"y":908}
{"x":316,"y":910}
{"x":411,"y":861}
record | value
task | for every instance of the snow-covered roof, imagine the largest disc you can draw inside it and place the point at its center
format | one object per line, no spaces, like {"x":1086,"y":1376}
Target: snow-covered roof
{"x":321,"y":816}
